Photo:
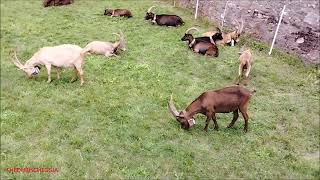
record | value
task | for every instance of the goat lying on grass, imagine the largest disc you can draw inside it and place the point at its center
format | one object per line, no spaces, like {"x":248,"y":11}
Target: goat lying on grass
{"x":118,"y":12}
{"x":202,"y":45}
{"x":228,"y":38}
{"x":163,"y":19}
{"x":62,"y":56}
{"x":106,"y":48}
{"x":246,"y":61}
{"x":225,"y":100}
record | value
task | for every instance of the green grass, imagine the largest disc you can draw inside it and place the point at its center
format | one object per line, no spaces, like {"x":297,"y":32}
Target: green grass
{"x":117,"y":125}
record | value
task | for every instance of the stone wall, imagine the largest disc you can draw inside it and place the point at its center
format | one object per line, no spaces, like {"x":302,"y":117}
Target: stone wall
{"x":299,"y":31}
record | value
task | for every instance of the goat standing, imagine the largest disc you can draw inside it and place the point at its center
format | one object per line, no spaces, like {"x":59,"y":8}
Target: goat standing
{"x":225,"y":100}
{"x":246,"y":61}
{"x":62,"y":56}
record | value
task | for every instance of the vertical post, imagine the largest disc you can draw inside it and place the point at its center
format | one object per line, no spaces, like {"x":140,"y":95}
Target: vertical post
{"x":224,"y":14}
{"x":174,"y":3}
{"x":196,"y":15}
{"x":275,"y":35}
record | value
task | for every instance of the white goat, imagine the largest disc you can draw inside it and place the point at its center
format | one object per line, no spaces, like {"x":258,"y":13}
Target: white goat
{"x":62,"y":56}
{"x":106,"y":48}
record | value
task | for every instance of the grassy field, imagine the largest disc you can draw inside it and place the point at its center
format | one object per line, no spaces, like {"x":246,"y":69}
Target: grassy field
{"x":117,"y":125}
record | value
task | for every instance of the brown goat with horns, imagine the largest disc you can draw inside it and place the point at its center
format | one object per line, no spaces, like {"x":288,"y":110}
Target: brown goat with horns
{"x":225,"y":100}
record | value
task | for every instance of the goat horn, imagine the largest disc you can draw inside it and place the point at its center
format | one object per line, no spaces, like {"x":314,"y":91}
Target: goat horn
{"x":150,"y":8}
{"x":172,"y":108}
{"x":16,"y":61}
{"x":241,"y":26}
{"x":192,"y":28}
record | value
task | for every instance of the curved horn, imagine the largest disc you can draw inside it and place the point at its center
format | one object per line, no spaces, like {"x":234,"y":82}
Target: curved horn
{"x":241,"y":27}
{"x":172,"y":108}
{"x":16,"y":61}
{"x":150,"y":8}
{"x":116,"y":34}
{"x":190,"y":29}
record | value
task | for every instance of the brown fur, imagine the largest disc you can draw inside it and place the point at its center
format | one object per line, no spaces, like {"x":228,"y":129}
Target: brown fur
{"x":246,"y":61}
{"x":47,"y":3}
{"x":225,"y":100}
{"x":118,"y":12}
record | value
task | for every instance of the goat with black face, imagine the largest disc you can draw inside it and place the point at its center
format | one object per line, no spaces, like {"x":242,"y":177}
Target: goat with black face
{"x":163,"y":19}
{"x":202,"y":45}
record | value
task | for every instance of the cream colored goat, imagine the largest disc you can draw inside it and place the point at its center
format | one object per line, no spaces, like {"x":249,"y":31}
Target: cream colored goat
{"x":106,"y":48}
{"x":62,"y":56}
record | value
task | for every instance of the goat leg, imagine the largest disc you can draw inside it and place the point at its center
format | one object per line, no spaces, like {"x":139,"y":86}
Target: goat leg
{"x":209,"y":117}
{"x":235,"y":118}
{"x":48,"y":66}
{"x":75,"y":76}
{"x":216,"y":127}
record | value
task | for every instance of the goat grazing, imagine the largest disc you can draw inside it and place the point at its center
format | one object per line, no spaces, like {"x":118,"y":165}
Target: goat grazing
{"x":163,"y":19}
{"x":225,"y":100}
{"x":228,"y":38}
{"x":118,"y":12}
{"x":62,"y":56}
{"x":246,"y":61}
{"x":106,"y":48}
{"x":47,"y":3}
{"x":202,"y":45}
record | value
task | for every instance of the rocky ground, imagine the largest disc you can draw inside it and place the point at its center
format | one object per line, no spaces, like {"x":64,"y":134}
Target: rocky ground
{"x":299,"y":31}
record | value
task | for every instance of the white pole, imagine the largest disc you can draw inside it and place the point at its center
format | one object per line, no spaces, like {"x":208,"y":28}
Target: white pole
{"x":174,"y":3}
{"x":224,"y":13}
{"x":275,"y":35}
{"x":195,"y":16}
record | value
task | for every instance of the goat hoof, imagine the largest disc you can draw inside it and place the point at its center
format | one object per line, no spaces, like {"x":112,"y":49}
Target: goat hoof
{"x":216,"y":128}
{"x":206,"y":130}
{"x":245,"y":130}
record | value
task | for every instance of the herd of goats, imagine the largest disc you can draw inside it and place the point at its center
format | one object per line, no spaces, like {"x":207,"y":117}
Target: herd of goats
{"x":229,"y":99}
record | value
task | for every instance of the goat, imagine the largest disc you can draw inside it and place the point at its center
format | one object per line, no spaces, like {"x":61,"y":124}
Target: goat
{"x":62,"y":56}
{"x":202,"y":45}
{"x":211,"y":39}
{"x":246,"y":61}
{"x":106,"y":48}
{"x":47,"y":3}
{"x":163,"y":19}
{"x":225,"y":100}
{"x":118,"y":12}
{"x":228,"y":38}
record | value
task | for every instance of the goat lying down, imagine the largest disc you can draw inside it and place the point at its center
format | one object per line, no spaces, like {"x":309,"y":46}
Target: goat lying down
{"x":62,"y":56}
{"x":163,"y":19}
{"x":118,"y":12}
{"x":225,"y":100}
{"x":106,"y":48}
{"x":202,"y":45}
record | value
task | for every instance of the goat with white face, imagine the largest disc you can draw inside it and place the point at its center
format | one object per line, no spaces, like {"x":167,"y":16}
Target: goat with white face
{"x":106,"y":48}
{"x":62,"y":56}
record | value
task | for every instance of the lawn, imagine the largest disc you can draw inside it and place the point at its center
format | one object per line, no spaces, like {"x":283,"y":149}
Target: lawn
{"x":117,"y":125}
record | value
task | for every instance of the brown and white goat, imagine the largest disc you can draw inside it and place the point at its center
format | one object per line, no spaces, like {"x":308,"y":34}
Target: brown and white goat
{"x":225,"y":100}
{"x":163,"y":19}
{"x":62,"y":56}
{"x":106,"y":48}
{"x":246,"y":62}
{"x":202,"y":45}
{"x":228,"y":38}
{"x":118,"y":12}
{"x":47,"y":3}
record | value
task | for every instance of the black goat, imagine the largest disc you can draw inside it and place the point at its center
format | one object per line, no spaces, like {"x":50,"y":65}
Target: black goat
{"x":202,"y":45}
{"x":164,"y":19}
